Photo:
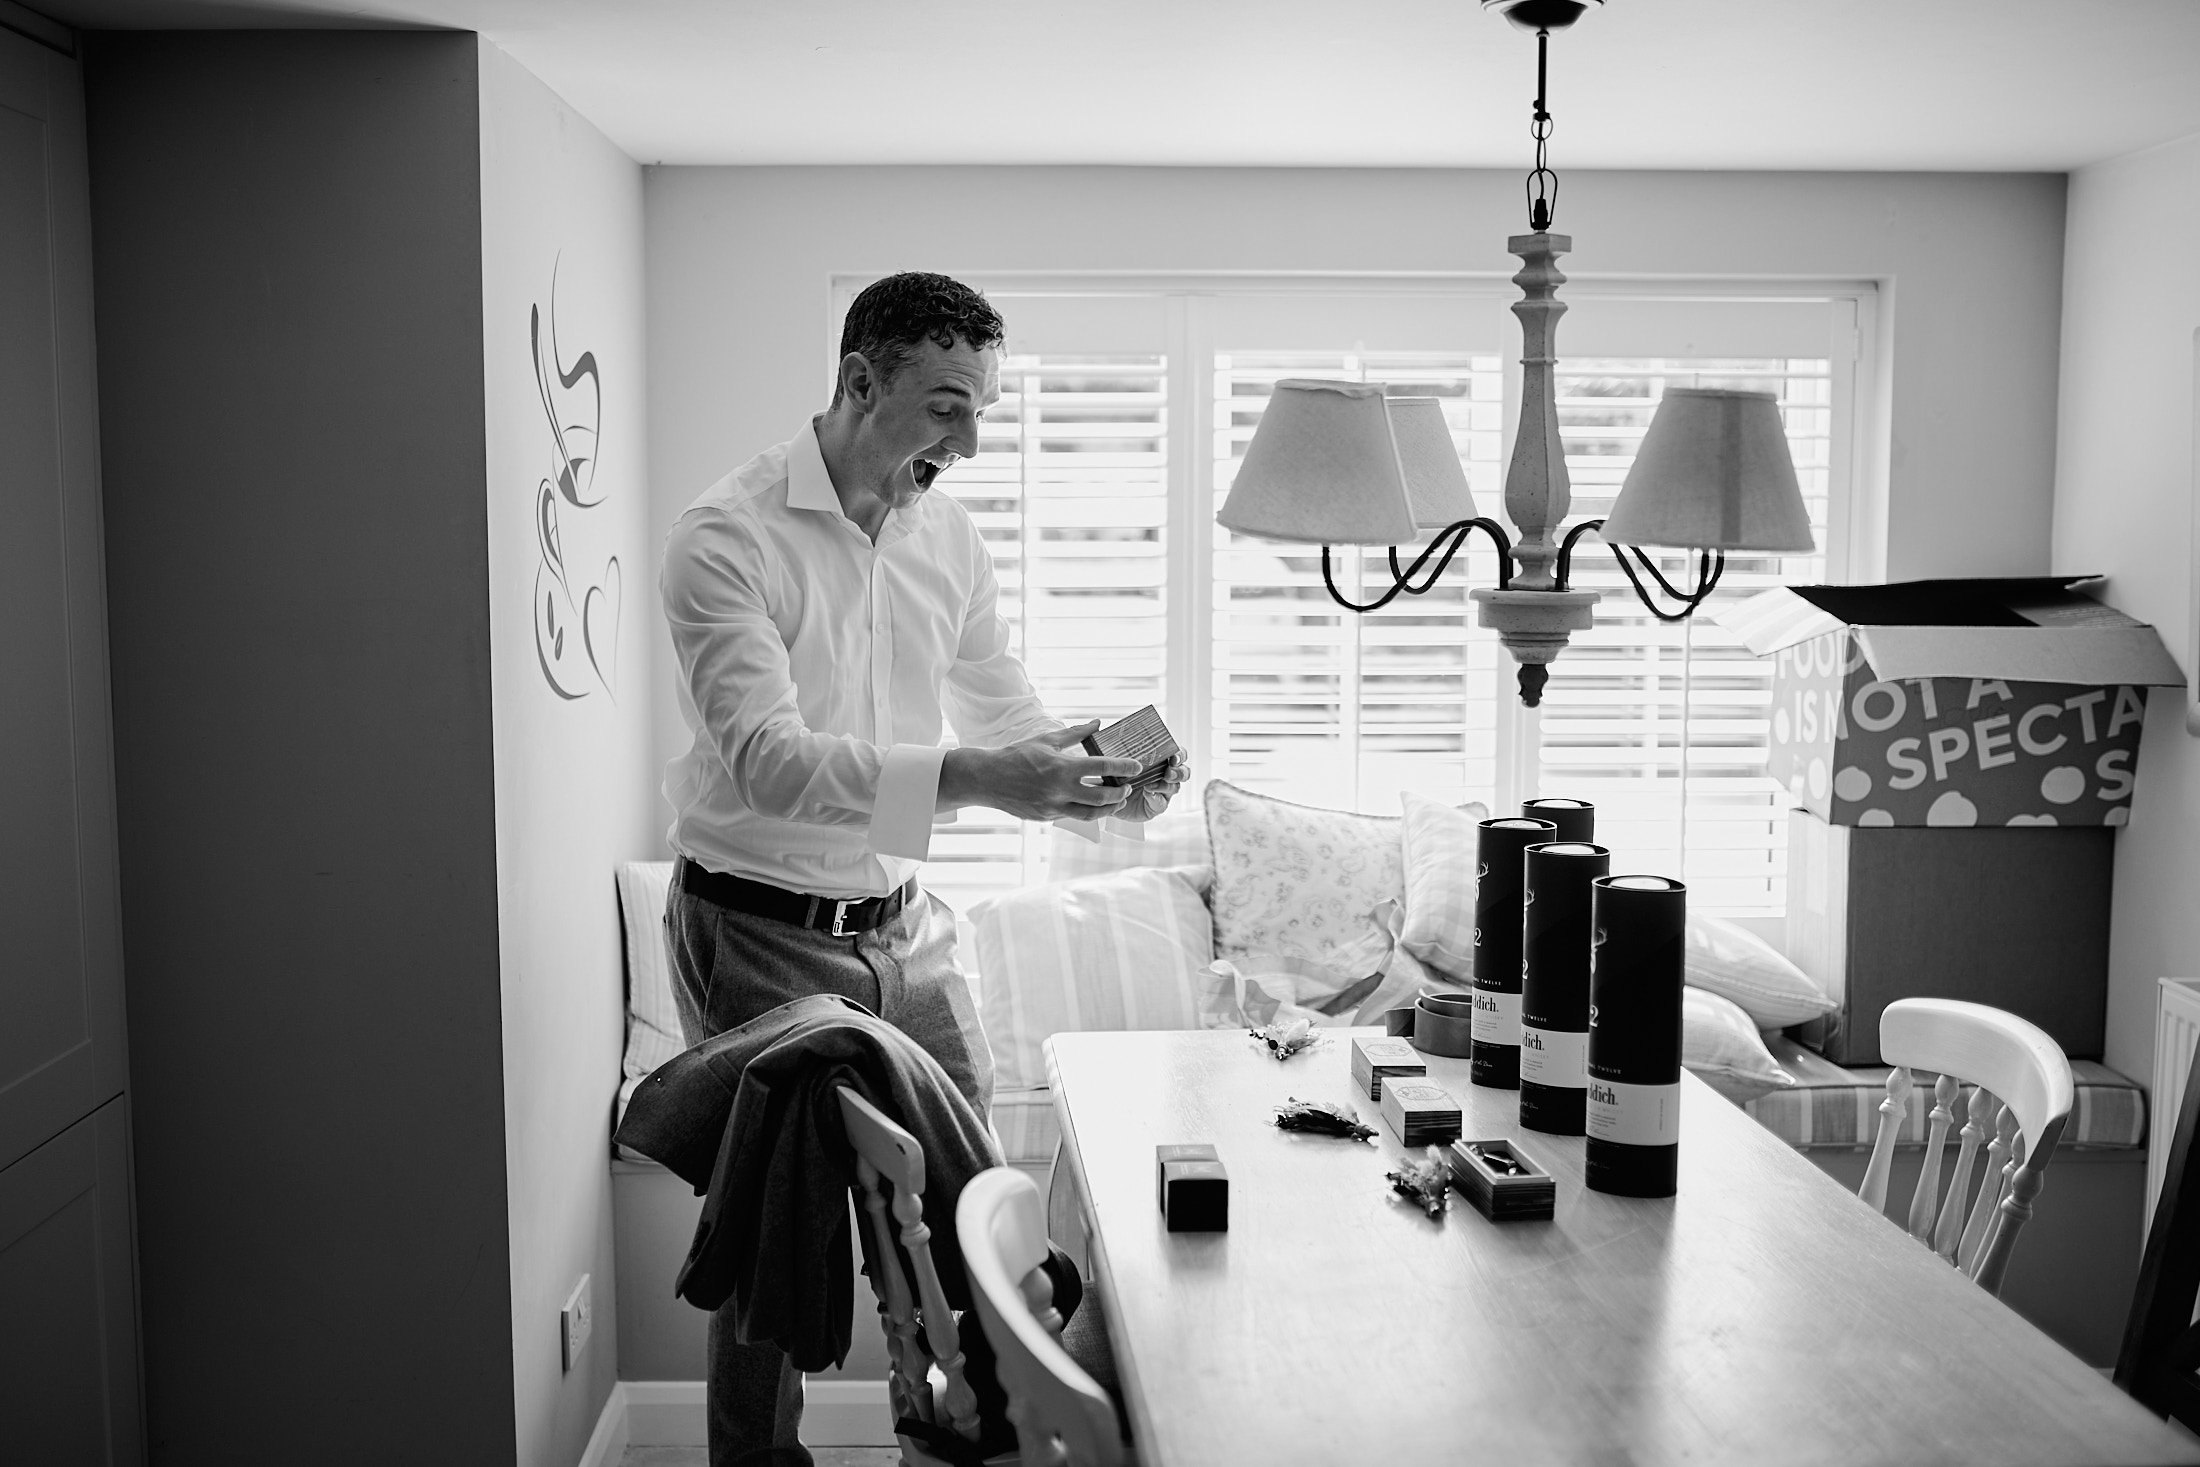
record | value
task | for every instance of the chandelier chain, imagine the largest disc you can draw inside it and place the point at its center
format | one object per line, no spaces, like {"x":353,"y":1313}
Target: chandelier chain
{"x":1542,"y":182}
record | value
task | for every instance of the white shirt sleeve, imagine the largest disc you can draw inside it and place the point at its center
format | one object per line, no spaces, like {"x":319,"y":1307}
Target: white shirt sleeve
{"x":734,"y":666}
{"x":990,"y":700}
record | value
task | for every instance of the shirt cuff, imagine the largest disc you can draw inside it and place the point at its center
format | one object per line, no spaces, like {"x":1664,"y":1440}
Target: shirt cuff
{"x":908,"y":791}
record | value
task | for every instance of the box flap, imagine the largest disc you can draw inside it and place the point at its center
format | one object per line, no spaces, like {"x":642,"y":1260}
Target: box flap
{"x":2096,"y":655}
{"x":1785,"y":615}
{"x":1777,"y":618}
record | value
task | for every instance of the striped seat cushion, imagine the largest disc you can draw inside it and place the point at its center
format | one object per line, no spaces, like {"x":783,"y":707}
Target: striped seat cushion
{"x":1024,"y":1121}
{"x":1833,"y":1107}
{"x":1118,"y":951}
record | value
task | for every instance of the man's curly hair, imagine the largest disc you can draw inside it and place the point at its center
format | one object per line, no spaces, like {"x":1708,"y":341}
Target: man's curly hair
{"x":891,"y":316}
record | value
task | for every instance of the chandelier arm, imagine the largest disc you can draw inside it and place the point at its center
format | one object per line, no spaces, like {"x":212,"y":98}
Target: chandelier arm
{"x":1642,"y":592}
{"x":1504,"y":544}
{"x":1402,"y":580}
{"x":1456,"y":533}
{"x":1718,"y":569}
{"x":1566,"y":550}
{"x":1659,"y":576}
{"x":1710,"y":565}
{"x":1329,"y":580}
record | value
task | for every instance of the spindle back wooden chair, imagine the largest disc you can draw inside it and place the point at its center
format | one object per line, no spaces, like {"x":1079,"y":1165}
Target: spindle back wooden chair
{"x":2161,"y":1343}
{"x":2013,"y":1088}
{"x":1062,"y":1415}
{"x":888,"y":1157}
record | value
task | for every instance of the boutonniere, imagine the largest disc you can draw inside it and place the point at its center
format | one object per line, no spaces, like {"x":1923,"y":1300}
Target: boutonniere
{"x":1323,"y":1118}
{"x":1426,"y":1182}
{"x":1285,"y":1040}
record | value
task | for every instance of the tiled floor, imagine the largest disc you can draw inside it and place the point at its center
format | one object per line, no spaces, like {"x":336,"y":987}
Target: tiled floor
{"x":697,"y":1457}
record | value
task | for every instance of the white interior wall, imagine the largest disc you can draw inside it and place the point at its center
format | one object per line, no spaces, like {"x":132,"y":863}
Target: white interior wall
{"x":569,"y":679}
{"x":2124,"y":486}
{"x":1970,"y":266}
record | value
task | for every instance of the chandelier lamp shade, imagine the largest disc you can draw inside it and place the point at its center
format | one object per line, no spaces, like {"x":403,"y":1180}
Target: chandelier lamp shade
{"x":1343,"y":463}
{"x":1713,"y":473}
{"x":1340,"y":463}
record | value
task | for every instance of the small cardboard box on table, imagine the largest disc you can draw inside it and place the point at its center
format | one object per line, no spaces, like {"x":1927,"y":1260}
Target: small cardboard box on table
{"x":1961,"y":752}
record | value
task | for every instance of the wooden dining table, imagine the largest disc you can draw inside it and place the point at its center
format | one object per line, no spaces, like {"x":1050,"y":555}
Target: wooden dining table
{"x":1764,"y":1315}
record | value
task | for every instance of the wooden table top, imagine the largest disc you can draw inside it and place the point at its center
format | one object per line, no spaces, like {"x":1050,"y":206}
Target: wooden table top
{"x":1764,"y":1315}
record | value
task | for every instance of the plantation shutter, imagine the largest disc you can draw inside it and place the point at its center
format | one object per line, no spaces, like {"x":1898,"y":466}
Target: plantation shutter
{"x":1070,"y":489}
{"x":1665,"y":726}
{"x":1311,"y":702}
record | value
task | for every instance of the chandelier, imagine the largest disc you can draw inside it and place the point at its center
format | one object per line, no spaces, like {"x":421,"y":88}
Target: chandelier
{"x":1345,"y":463}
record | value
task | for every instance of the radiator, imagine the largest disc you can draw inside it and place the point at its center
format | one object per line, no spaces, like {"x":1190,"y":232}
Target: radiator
{"x":2176,"y":1036}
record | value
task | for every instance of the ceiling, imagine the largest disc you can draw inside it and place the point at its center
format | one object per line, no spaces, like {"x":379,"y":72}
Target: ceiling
{"x":1810,"y":84}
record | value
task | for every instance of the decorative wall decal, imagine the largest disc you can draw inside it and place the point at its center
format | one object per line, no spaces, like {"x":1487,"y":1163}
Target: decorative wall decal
{"x":576,"y":623}
{"x":575,"y":415}
{"x":600,"y":625}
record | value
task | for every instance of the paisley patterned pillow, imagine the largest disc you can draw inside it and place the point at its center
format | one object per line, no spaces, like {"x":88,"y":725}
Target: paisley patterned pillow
{"x":1300,"y":882}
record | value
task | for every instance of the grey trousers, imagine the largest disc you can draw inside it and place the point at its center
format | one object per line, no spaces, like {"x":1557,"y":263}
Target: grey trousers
{"x":730,"y":967}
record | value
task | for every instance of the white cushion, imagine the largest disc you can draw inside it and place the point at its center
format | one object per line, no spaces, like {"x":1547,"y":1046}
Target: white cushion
{"x":1725,"y":1050}
{"x":1736,"y":963}
{"x":1301,"y":883}
{"x":1118,"y":951}
{"x":652,"y":1021}
{"x":1176,"y":838}
{"x":1267,"y":988}
{"x":1439,"y":857}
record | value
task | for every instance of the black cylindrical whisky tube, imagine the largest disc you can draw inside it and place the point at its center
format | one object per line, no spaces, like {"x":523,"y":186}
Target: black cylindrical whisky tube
{"x":1498,"y":887}
{"x":1634,"y":1110}
{"x":1576,"y":819}
{"x":1554,"y":984}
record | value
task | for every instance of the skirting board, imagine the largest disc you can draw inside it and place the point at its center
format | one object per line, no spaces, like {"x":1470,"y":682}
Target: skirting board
{"x":669,"y":1413}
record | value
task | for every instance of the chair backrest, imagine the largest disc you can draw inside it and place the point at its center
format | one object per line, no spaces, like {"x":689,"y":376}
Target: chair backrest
{"x":1061,"y":1414}
{"x":2020,"y":1093}
{"x":2161,"y":1343}
{"x":889,"y":1157}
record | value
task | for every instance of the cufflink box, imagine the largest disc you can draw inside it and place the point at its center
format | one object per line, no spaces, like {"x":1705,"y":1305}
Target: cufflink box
{"x":1375,"y":1060}
{"x":1423,"y":1114}
{"x":1141,"y":736}
{"x":1195,"y":1190}
{"x":1504,"y":1183}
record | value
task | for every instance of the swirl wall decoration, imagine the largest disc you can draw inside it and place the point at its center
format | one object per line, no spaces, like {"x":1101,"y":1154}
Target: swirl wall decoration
{"x":576,"y":621}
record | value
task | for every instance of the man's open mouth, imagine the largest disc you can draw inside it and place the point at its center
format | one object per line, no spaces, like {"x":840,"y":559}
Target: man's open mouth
{"x":924,"y":471}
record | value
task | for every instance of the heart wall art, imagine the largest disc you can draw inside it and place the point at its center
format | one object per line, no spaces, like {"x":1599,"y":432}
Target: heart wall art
{"x":577,"y":608}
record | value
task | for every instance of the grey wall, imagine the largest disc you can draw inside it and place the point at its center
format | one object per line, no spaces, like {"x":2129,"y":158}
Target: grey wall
{"x":561,"y":250}
{"x":2124,"y":488}
{"x":287,"y":246}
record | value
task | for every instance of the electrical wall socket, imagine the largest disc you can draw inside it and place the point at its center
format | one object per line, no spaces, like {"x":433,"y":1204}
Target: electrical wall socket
{"x":574,"y":1321}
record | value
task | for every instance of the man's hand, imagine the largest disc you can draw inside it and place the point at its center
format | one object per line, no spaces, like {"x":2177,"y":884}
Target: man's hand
{"x":1044,"y":778}
{"x":1150,"y":800}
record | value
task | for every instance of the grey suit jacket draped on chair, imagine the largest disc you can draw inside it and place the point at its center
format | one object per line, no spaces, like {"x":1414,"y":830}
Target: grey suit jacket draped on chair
{"x":750,"y":1118}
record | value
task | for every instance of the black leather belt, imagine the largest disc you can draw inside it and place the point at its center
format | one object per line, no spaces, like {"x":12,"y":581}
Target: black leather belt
{"x":840,"y":917}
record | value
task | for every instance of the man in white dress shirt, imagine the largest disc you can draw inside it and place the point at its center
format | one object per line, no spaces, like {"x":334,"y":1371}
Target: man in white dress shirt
{"x":827,"y":611}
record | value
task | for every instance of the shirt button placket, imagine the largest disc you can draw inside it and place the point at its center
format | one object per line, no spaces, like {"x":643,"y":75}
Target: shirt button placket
{"x":882,"y":657}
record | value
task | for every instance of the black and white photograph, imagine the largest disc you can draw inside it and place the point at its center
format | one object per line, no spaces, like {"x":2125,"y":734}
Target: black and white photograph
{"x":1196,"y":733}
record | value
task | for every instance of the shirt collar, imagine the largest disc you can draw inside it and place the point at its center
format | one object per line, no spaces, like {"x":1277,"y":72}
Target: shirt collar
{"x":809,"y":484}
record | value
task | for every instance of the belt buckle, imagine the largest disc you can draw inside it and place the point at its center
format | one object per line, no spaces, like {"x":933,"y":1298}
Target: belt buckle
{"x":840,"y":915}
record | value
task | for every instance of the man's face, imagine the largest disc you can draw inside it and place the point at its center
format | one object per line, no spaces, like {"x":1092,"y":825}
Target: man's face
{"x":927,"y":417}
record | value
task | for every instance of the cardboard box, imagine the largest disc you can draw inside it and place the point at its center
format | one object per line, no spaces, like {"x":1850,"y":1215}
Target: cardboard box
{"x":2016,"y":918}
{"x":1955,"y":703}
